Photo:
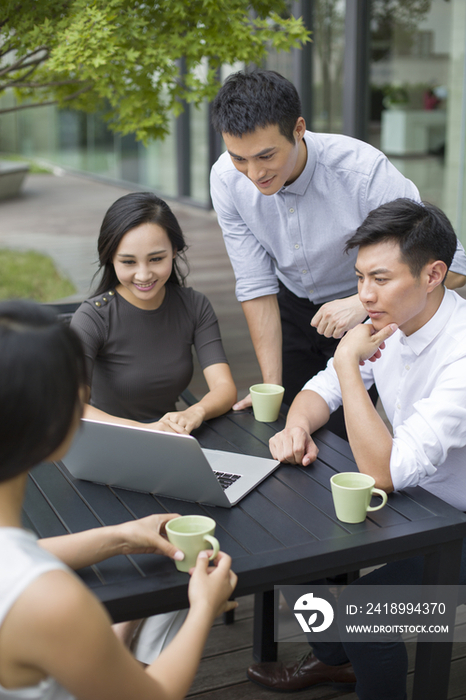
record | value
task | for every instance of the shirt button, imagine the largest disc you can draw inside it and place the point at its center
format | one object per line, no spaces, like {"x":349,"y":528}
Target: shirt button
{"x":311,"y":291}
{"x":304,"y":272}
{"x":407,"y":367}
{"x":398,"y":406}
{"x":296,"y":246}
{"x":291,"y":210}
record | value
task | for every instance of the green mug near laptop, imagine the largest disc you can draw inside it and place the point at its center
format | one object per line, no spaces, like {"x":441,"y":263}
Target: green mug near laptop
{"x":266,"y":401}
{"x":352,"y":493}
{"x":192,"y":534}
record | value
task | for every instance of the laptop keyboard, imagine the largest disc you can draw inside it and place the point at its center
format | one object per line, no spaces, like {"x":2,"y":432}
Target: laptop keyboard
{"x":225,"y":479}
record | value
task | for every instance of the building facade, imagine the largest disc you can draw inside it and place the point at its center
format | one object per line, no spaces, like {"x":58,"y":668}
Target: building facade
{"x":393,"y":74}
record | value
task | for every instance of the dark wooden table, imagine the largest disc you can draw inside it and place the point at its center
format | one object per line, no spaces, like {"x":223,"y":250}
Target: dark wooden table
{"x":285,"y":532}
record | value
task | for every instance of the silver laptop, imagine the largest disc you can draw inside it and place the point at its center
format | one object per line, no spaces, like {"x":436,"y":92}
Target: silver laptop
{"x":165,"y":464}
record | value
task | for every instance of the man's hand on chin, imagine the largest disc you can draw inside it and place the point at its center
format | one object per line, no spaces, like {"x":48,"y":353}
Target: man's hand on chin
{"x":361,"y":344}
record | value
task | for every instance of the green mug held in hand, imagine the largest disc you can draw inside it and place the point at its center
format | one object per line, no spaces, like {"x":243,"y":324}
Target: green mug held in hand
{"x":352,"y":493}
{"x":192,"y":534}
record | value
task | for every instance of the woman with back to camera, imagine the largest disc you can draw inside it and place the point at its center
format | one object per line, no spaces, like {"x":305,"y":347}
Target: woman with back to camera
{"x":56,"y":641}
{"x":139,"y":328}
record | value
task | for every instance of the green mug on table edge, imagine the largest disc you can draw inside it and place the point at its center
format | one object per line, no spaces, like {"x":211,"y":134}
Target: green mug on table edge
{"x":352,"y":493}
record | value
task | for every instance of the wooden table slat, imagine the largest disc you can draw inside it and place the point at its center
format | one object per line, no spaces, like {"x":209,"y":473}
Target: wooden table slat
{"x":236,"y":436}
{"x":71,"y":507}
{"x":38,"y":512}
{"x":296,"y":505}
{"x":327,"y":455}
{"x":258,"y":430}
{"x":281,"y":525}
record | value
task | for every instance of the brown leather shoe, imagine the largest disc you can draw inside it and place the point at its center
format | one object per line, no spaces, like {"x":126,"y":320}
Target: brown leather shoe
{"x":304,"y":673}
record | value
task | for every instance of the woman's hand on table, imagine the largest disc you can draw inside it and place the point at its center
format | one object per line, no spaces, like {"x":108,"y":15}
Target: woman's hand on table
{"x":184,"y":421}
{"x":166,"y":425}
{"x":211,"y":587}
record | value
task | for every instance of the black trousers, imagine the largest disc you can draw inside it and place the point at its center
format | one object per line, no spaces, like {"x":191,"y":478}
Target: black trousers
{"x":305,"y":351}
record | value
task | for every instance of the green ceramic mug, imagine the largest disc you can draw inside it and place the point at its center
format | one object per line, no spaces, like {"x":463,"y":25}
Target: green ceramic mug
{"x":266,"y":401}
{"x":191,"y":534}
{"x":352,"y":492}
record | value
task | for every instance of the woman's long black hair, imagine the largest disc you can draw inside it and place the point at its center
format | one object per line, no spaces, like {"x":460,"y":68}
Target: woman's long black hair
{"x":41,"y":371}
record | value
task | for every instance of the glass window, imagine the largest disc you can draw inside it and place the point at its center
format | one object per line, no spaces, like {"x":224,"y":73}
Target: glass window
{"x":328,"y":54}
{"x":328,"y":43}
{"x":417,"y":88}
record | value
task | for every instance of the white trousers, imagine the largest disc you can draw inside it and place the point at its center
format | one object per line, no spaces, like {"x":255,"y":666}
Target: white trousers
{"x":156,"y":633}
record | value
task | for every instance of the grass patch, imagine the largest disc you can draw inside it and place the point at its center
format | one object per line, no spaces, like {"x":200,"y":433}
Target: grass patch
{"x":31,"y":275}
{"x":35,"y":168}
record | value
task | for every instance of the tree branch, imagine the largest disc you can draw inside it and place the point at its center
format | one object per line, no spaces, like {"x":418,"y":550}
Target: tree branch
{"x":4,"y":50}
{"x":21,"y":81}
{"x":20,"y":63}
{"x":38,"y":86}
{"x":47,"y":104}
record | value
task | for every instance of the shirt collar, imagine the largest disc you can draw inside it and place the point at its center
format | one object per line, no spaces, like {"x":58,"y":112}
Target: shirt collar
{"x":300,"y":185}
{"x":418,"y":341}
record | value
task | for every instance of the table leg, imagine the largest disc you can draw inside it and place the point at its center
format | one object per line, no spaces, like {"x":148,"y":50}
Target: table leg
{"x":264,"y":647}
{"x":229,"y":617}
{"x":433,"y":659}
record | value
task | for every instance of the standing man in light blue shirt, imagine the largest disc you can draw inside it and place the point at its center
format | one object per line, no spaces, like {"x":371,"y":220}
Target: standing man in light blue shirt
{"x":287,"y":201}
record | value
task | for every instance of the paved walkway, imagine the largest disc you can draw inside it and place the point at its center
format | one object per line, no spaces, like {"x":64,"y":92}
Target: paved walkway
{"x":61,"y":216}
{"x":58,"y":216}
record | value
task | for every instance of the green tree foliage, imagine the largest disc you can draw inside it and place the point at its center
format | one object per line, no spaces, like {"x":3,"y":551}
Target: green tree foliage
{"x":135,"y":60}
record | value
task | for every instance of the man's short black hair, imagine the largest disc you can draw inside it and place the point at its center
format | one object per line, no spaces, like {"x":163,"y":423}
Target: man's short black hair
{"x":422,"y":230}
{"x":248,"y":101}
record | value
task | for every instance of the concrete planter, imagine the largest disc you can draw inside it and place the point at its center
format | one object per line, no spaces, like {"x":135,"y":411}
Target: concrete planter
{"x":12,"y":175}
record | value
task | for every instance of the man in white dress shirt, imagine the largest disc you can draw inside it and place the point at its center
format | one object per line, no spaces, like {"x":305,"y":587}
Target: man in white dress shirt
{"x":413,"y":348}
{"x":287,"y":201}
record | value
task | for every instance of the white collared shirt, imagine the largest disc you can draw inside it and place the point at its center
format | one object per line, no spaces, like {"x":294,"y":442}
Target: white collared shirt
{"x":421,"y":380}
{"x":298,"y":234}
